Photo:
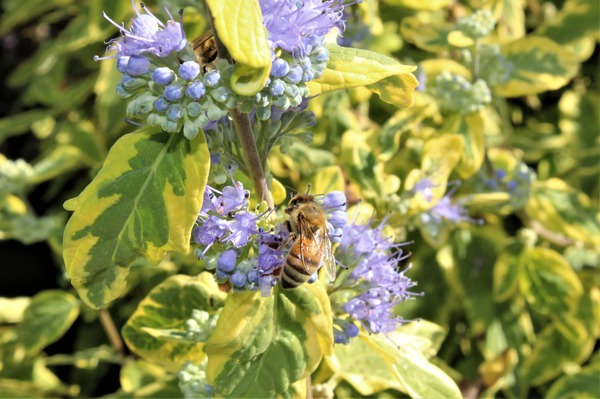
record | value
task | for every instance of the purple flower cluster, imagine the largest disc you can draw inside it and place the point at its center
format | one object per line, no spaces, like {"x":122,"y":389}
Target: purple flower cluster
{"x":245,"y":247}
{"x":295,"y":26}
{"x":375,"y":276}
{"x":168,"y":88}
{"x":148,"y":35}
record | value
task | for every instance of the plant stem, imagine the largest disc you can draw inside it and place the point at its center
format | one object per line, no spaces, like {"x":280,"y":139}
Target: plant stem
{"x":243,"y":127}
{"x":111,"y":330}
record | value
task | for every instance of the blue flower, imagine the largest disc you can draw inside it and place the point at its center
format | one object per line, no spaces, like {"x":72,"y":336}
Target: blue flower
{"x":296,"y":26}
{"x":147,"y":34}
{"x":375,"y":277}
{"x":242,"y":227}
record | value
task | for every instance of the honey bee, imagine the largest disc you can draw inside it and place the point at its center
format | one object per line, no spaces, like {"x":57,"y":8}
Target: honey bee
{"x":311,"y":247}
{"x":205,"y":48}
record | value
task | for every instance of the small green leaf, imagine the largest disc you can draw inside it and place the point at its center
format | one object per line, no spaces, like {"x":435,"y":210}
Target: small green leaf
{"x":349,"y":68}
{"x":506,"y":271}
{"x":539,"y":64}
{"x":428,"y":31}
{"x":470,"y":128}
{"x":582,"y":385}
{"x":261,"y":346}
{"x":46,"y":319}
{"x":21,"y":123}
{"x":60,"y":160}
{"x":562,"y":209}
{"x":166,"y":308}
{"x":548,"y":281}
{"x":577,"y":19}
{"x":143,"y":202}
{"x":12,"y":310}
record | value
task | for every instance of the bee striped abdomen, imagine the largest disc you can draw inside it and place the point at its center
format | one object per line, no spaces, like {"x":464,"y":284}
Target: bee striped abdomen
{"x":298,"y":268}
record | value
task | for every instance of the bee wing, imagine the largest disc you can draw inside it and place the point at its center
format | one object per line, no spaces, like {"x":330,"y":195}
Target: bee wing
{"x":328,"y":258}
{"x":308,"y":241}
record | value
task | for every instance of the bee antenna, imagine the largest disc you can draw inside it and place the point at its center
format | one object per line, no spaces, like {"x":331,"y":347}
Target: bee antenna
{"x":308,"y":189}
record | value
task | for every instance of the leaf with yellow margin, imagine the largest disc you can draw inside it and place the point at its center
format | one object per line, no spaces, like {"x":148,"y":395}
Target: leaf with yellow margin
{"x":349,"y":68}
{"x":143,"y":202}
{"x":166,"y":308}
{"x":539,"y":64}
{"x":261,"y":346}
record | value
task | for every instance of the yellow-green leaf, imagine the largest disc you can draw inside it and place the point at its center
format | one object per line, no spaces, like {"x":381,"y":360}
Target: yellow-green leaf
{"x":143,"y":202}
{"x":166,"y":308}
{"x":328,"y":179}
{"x":548,"y":281}
{"x":428,"y":31}
{"x":46,"y":319}
{"x":240,"y":27}
{"x":577,"y":19}
{"x":562,"y":209}
{"x":582,"y":385}
{"x":470,"y":128}
{"x":349,"y":67}
{"x":261,"y":346}
{"x":506,"y":271}
{"x":539,"y":64}
{"x":417,"y":375}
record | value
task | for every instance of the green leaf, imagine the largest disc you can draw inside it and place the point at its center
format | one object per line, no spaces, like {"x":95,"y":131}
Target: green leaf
{"x":562,"y":209}
{"x":241,"y":29}
{"x":349,"y":68}
{"x":46,"y":319}
{"x":582,"y":385}
{"x":577,"y":19}
{"x":328,"y":179}
{"x":548,"y":282}
{"x":167,"y":307}
{"x":141,"y":379}
{"x":59,"y":161}
{"x":539,"y":64}
{"x":506,"y":271}
{"x":550,"y":355}
{"x":470,"y":128}
{"x":263,"y":345}
{"x":428,"y":31}
{"x":418,"y":376}
{"x":143,"y":202}
{"x":21,"y":123}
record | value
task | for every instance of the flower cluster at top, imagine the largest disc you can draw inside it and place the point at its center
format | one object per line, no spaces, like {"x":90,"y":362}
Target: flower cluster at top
{"x":244,"y":247}
{"x":375,"y":283}
{"x":168,"y":87}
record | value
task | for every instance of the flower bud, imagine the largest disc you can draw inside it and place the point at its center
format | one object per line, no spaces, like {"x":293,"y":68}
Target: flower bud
{"x":280,"y":68}
{"x":175,"y":112}
{"x":276,"y":88}
{"x":195,"y":91}
{"x":294,"y":76}
{"x":212,"y":78}
{"x":163,"y":76}
{"x":227,"y":261}
{"x":122,"y":63}
{"x":161,"y":105}
{"x":189,"y":70}
{"x":173,"y":93}
{"x":138,"y":65}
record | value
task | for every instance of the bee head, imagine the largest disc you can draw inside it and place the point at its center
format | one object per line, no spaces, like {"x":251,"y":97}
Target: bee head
{"x":298,"y":200}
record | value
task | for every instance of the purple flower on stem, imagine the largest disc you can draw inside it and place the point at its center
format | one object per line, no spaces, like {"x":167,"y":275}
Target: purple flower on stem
{"x":147,"y":34}
{"x":296,"y":26}
{"x":211,"y":230}
{"x":242,"y":227}
{"x":376,"y":276}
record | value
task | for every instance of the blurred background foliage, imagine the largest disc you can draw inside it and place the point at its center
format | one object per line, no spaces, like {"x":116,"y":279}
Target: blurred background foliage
{"x":512,"y":285}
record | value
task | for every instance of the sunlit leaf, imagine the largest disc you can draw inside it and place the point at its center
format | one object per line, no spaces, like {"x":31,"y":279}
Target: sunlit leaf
{"x":548,"y":281}
{"x":263,"y":345}
{"x":349,"y":67}
{"x":539,"y":64}
{"x":166,"y":308}
{"x":143,"y":202}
